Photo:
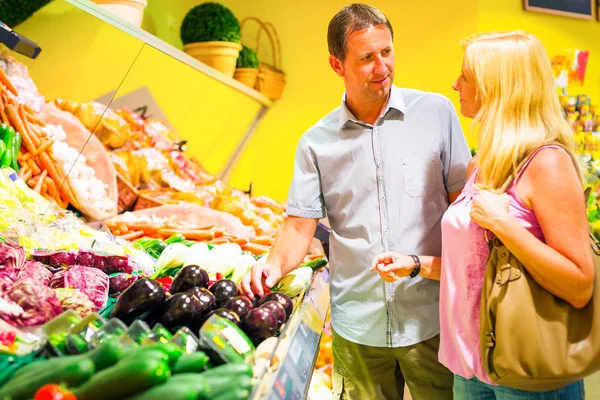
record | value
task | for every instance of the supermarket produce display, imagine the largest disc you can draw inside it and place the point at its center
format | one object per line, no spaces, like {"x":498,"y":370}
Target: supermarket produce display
{"x":148,"y":305}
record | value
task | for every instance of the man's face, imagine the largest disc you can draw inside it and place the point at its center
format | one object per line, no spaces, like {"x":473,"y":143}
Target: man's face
{"x":368,"y":69}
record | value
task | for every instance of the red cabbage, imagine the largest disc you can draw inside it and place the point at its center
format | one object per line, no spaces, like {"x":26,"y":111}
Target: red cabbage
{"x":91,"y":281}
{"x":40,"y":303}
{"x":76,"y":300}
{"x":55,"y":259}
{"x":12,"y":258}
{"x":105,"y":262}
{"x":36,"y":271}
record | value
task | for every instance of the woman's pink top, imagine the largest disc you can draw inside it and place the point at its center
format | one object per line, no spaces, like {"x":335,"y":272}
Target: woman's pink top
{"x":464,"y":259}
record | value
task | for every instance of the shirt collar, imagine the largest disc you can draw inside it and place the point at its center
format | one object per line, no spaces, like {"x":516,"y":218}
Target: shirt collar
{"x":396,"y":101}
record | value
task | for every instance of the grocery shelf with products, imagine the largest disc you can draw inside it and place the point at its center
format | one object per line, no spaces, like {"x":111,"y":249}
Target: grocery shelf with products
{"x":584,"y":117}
{"x":122,"y":242}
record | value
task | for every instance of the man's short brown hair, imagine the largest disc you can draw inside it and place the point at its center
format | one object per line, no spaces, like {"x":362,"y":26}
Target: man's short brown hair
{"x":350,"y":19}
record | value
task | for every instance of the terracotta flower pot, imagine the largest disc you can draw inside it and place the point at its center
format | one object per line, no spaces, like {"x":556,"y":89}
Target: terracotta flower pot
{"x":221,"y":56}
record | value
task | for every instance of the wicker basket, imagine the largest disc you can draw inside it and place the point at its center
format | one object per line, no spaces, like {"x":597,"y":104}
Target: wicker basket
{"x":271,"y":79}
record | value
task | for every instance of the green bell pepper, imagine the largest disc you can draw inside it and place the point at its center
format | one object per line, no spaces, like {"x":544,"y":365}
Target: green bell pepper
{"x":154,"y":247}
{"x":15,"y":149}
{"x":2,"y":149}
{"x":9,"y":137}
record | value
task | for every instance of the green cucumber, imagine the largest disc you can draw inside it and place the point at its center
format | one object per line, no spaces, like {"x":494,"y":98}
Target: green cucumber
{"x":315,"y":264}
{"x":195,"y":362}
{"x":103,"y":356}
{"x":170,"y":391}
{"x":172,"y":351}
{"x":70,"y":374}
{"x":125,"y":379}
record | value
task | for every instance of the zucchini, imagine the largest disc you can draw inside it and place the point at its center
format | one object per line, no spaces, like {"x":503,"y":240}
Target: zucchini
{"x":170,"y":391}
{"x":71,"y":374}
{"x":195,"y":362}
{"x":126,"y":378}
{"x":217,"y":381}
{"x":103,"y":356}
{"x":172,"y":351}
{"x":315,"y":264}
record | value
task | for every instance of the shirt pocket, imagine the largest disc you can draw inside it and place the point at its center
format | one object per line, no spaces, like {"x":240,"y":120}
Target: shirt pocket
{"x":419,"y":174}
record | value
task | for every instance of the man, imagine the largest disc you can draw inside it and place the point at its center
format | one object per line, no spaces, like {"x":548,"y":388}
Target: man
{"x":383,"y":167}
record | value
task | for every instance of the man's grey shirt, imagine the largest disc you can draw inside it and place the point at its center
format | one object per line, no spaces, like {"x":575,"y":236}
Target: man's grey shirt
{"x":384,"y":187}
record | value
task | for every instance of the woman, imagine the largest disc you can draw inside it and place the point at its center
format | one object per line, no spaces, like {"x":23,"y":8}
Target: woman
{"x":507,"y":87}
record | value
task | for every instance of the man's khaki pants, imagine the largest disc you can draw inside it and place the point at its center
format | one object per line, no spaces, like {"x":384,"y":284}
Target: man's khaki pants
{"x":372,"y":373}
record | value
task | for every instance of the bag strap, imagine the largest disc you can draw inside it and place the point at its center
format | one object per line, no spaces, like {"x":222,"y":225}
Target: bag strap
{"x":493,"y":241}
{"x":521,"y":166}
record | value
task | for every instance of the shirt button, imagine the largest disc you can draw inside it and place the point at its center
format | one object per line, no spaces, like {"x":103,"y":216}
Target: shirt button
{"x":385,"y":231}
{"x":382,"y":197}
{"x":379,"y":164}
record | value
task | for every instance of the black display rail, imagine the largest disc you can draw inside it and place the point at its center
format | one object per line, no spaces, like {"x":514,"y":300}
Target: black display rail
{"x":290,"y":367}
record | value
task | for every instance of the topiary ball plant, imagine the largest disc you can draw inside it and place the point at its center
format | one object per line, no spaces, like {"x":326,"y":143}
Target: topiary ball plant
{"x":210,"y":22}
{"x":13,"y":12}
{"x":247,"y":58}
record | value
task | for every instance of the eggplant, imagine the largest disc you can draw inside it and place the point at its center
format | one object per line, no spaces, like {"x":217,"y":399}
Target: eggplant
{"x":188,"y":277}
{"x":277,"y":309}
{"x":260,"y":324}
{"x":225,"y":313}
{"x":139,"y":301}
{"x":180,"y":310}
{"x":281,"y":298}
{"x":206,"y":304}
{"x":224,"y":290}
{"x":240,"y":305}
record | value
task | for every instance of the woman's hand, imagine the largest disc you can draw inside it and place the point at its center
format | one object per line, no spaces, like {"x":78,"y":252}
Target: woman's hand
{"x":392,"y":266}
{"x":489,"y":208}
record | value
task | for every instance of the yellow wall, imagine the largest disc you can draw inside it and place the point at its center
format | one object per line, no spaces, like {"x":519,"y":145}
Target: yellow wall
{"x":427,"y":57}
{"x":557,"y":32}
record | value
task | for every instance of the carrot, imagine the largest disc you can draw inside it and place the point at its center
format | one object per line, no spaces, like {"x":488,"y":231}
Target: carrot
{"x":27,"y":174}
{"x":240,"y":242}
{"x":44,"y":191}
{"x":22,"y":170}
{"x":51,"y":186}
{"x":33,"y":134}
{"x":133,"y":235}
{"x":59,"y":178}
{"x":265,"y":240}
{"x":44,"y":146}
{"x":256,"y":248}
{"x":6,"y":82}
{"x":16,"y":123}
{"x":189,"y":234}
{"x":221,"y":240}
{"x":2,"y":113}
{"x":40,"y":182}
{"x":31,"y":182}
{"x":34,"y":167}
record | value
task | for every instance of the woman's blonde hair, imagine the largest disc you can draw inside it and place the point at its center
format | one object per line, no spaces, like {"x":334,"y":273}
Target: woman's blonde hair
{"x":520,"y":109}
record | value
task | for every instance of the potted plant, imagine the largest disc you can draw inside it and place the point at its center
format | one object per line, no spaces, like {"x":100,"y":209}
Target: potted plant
{"x":246,"y":69}
{"x":211,"y":34}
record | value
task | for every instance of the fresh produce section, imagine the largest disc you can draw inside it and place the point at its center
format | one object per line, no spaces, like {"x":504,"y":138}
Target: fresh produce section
{"x":121,"y":258}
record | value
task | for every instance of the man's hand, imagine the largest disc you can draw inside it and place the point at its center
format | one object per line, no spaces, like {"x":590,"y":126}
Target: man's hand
{"x":392,"y":266}
{"x":262,"y":276}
